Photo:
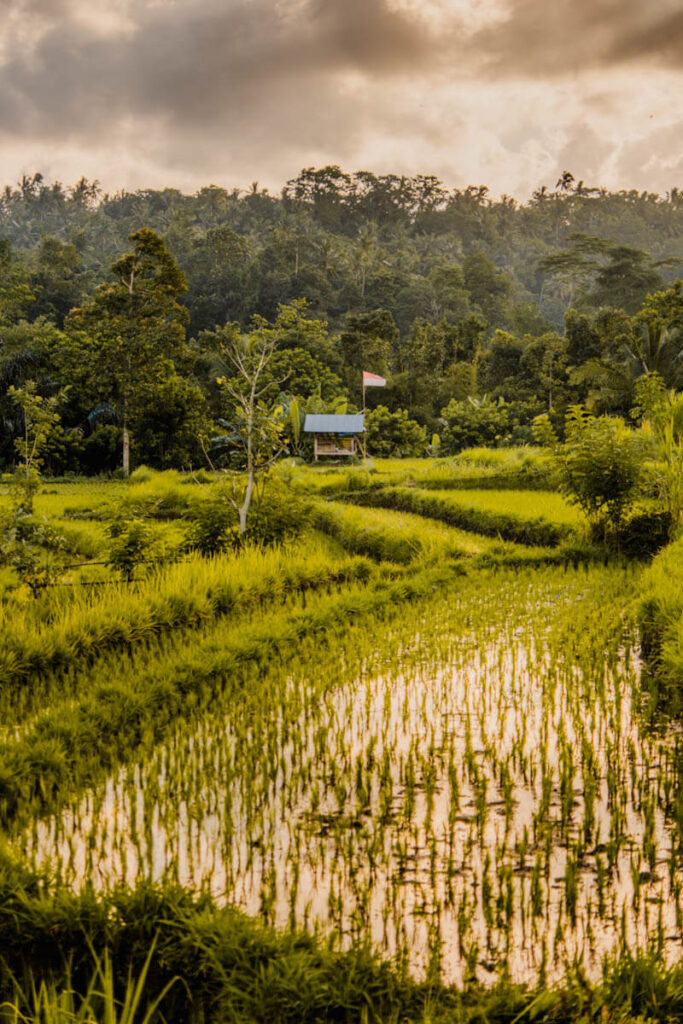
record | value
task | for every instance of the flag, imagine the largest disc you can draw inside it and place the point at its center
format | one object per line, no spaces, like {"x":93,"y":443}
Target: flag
{"x":372,"y":380}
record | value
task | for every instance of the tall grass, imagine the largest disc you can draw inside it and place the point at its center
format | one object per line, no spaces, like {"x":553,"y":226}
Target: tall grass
{"x":661,"y":619}
{"x":106,"y":999}
{"x":183,"y":595}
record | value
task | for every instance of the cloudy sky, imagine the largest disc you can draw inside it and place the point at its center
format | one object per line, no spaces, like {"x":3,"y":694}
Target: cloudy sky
{"x":508,"y":93}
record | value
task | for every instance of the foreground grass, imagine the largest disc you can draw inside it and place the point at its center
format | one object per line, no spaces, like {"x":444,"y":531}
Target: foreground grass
{"x":218,"y":965}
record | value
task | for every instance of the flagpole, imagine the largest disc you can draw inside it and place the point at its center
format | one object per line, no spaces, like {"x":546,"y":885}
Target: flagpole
{"x":364,"y":446}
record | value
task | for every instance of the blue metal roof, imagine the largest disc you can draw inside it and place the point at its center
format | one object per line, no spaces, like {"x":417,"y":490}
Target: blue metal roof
{"x":335,"y":424}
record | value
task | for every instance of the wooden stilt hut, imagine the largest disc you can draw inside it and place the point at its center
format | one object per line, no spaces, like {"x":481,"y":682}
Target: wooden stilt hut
{"x":334,"y":434}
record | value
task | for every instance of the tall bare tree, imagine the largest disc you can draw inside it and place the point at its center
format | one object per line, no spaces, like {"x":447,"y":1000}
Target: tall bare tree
{"x":256,"y":422}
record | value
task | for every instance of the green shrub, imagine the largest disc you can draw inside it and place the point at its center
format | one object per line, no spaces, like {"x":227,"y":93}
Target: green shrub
{"x":213,"y":526}
{"x":278,"y":515}
{"x":601,"y":465}
{"x":102,"y":449}
{"x":132,"y":545}
{"x":642,"y":533}
{"x":470,"y":423}
{"x":394,"y":434}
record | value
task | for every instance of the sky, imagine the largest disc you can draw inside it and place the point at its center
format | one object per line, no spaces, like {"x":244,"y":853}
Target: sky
{"x":186,"y":93}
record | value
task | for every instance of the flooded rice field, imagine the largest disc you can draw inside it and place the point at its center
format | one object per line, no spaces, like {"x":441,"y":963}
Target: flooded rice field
{"x":475,"y":789}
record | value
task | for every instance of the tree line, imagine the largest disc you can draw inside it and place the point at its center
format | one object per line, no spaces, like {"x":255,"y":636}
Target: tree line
{"x":481,"y":313}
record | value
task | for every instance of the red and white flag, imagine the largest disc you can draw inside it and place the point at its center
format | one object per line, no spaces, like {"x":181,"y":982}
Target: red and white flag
{"x":373,"y":380}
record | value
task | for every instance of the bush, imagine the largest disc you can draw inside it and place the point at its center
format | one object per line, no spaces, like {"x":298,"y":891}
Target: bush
{"x":213,"y":526}
{"x":394,"y":435}
{"x":278,"y":515}
{"x":102,"y":449}
{"x":601,"y":463}
{"x":470,"y":424}
{"x":25,"y":543}
{"x":63,"y":451}
{"x":132,"y":545}
{"x":642,"y":533}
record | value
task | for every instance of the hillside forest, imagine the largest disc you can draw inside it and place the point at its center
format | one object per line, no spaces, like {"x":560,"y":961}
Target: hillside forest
{"x":481,"y":313}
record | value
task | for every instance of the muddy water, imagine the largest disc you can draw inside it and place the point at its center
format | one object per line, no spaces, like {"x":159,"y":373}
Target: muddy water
{"x":487,"y":802}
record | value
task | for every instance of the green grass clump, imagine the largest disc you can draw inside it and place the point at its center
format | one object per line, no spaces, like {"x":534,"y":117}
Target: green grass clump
{"x":87,"y":538}
{"x":164,"y":495}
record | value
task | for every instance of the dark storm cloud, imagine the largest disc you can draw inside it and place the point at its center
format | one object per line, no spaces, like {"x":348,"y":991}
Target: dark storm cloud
{"x":200,"y":62}
{"x":540,"y":38}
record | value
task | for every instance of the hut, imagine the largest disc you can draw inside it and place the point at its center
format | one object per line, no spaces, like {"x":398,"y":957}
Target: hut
{"x":334,"y":434}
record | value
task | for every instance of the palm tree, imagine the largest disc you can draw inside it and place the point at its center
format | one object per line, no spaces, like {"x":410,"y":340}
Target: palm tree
{"x":565,"y":181}
{"x":657,"y":348}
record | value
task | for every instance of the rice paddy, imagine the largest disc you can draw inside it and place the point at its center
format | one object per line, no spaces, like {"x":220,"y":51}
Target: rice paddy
{"x":392,"y":732}
{"x":453,"y":802}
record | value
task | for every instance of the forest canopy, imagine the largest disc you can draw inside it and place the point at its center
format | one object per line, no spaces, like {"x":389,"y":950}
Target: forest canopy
{"x":481,"y":312}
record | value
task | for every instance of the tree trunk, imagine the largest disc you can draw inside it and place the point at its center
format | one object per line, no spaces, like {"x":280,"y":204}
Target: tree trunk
{"x":244,"y":507}
{"x":126,"y":441}
{"x":126,"y":451}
